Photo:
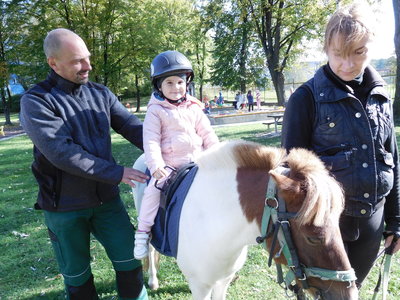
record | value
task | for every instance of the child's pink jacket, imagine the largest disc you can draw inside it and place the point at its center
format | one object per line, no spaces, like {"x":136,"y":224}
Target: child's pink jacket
{"x":174,"y":135}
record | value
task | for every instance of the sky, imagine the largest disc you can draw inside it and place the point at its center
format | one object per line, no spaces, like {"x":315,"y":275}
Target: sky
{"x":383,"y":47}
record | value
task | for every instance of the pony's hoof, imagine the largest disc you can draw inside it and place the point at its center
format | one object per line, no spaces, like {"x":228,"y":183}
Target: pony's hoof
{"x":153,"y":285}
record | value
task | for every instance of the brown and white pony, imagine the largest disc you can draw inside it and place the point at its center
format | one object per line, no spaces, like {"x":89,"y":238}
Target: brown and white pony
{"x":223,"y":212}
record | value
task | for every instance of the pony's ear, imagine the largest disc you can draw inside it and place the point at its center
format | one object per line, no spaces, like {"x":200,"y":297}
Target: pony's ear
{"x":283,"y":182}
{"x":288,"y":189}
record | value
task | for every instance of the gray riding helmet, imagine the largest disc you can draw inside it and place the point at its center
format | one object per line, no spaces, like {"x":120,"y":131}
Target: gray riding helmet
{"x":169,"y":63}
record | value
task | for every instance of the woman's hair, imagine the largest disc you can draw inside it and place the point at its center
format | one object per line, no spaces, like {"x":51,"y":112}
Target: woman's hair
{"x":352,"y":24}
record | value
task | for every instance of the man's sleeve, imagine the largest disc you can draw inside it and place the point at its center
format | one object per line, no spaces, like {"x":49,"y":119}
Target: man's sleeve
{"x":52,"y":137}
{"x":125,"y":123}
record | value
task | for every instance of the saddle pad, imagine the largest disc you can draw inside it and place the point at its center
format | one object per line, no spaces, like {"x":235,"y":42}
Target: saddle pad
{"x":165,"y":231}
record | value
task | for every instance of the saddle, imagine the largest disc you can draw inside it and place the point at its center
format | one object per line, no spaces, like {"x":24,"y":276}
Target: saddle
{"x":165,"y":231}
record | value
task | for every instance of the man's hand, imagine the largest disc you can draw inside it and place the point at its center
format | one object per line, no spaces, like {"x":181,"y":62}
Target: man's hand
{"x":131,"y":175}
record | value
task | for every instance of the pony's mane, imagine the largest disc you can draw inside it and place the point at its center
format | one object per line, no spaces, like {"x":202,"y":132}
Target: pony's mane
{"x":324,"y":197}
{"x":241,"y":154}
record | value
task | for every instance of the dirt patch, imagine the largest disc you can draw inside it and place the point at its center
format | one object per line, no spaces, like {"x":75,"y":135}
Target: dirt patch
{"x":11,"y":130}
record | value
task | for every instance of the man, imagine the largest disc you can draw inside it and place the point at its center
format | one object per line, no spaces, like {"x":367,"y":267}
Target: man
{"x":68,"y":119}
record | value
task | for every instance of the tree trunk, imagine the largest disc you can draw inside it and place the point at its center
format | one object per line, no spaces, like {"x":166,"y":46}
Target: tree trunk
{"x":243,"y":55}
{"x":396,"y":10}
{"x":201,"y":91}
{"x":278,"y":80}
{"x":137,"y":93}
{"x":6,"y":108}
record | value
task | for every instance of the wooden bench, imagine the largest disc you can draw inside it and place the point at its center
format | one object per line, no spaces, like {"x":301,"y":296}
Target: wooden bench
{"x":271,"y":122}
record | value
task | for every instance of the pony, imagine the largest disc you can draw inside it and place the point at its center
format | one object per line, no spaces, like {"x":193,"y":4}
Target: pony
{"x":219,"y":221}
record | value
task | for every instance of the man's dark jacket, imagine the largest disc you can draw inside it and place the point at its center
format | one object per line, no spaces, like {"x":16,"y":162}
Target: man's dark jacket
{"x":69,"y":125}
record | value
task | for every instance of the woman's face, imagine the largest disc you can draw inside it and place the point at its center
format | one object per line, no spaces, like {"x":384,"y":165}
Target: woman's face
{"x":173,"y":87}
{"x":348,"y":66}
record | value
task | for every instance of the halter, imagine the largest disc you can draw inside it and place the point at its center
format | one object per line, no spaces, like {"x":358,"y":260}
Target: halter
{"x":280,"y":229}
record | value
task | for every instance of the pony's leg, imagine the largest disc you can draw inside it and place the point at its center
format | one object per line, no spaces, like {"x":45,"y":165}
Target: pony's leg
{"x":200,"y":291}
{"x":221,"y":287}
{"x":153,"y":266}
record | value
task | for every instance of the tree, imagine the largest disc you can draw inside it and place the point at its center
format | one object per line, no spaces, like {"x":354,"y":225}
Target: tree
{"x":235,"y":54}
{"x":7,"y":22}
{"x":123,"y":36}
{"x":3,"y":65}
{"x":283,"y":26}
{"x":396,"y":9}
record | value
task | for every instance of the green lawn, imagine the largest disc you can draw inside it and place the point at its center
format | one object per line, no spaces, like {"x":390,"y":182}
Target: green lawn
{"x":28,"y":269}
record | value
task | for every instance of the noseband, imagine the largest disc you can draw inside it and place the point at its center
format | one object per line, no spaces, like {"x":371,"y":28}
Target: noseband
{"x":278,"y":217}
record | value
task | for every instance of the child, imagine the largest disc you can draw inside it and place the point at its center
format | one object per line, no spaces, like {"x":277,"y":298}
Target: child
{"x":250,"y":100}
{"x":175,"y":130}
{"x":258,"y":98}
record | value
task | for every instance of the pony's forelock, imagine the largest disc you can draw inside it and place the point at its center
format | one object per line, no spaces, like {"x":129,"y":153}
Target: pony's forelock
{"x":324,"y":197}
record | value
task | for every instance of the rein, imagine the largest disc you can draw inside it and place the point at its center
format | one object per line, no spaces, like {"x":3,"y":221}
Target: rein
{"x":278,"y":217}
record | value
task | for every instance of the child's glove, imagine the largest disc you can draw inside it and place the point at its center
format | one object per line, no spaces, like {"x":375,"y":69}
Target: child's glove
{"x":160,"y":173}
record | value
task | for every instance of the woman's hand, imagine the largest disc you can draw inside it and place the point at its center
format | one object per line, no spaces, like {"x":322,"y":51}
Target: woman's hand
{"x":393,"y":238}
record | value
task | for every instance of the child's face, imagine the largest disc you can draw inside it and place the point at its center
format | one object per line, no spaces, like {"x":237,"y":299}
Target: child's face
{"x":348,"y":66}
{"x":173,"y":87}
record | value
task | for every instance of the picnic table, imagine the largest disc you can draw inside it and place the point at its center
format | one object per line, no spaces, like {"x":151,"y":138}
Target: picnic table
{"x":276,"y":120}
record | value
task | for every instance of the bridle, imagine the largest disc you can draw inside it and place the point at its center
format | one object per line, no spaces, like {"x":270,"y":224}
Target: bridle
{"x":278,"y":217}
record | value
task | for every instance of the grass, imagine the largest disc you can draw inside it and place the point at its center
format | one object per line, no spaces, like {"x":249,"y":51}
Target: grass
{"x":28,"y":269}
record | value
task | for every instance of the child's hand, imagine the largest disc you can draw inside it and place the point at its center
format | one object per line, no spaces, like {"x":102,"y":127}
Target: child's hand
{"x":160,"y":173}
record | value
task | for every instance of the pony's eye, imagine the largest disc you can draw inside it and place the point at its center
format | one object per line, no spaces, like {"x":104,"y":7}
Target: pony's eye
{"x":315,"y":241}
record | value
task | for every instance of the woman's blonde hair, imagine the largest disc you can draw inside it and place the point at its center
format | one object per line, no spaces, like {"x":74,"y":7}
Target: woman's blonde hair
{"x":352,"y":24}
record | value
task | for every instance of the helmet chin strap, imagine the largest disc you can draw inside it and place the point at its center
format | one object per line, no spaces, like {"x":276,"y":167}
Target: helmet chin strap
{"x":170,"y":100}
{"x":176,"y":101}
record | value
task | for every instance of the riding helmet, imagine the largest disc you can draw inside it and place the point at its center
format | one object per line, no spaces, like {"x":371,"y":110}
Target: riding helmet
{"x":170,"y":63}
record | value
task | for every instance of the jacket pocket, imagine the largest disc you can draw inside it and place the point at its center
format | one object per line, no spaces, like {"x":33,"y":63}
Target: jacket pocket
{"x":340,"y":165}
{"x":57,"y":248}
{"x":341,"y":160}
{"x":330,"y":124}
{"x":385,"y":174}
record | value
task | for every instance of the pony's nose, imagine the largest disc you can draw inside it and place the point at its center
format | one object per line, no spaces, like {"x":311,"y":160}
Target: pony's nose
{"x":351,"y":293}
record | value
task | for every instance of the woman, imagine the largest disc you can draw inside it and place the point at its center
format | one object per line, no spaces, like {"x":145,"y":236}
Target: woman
{"x":344,"y":114}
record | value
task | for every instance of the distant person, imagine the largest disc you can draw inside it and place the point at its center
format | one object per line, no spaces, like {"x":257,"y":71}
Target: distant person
{"x":175,"y":130}
{"x":242,"y":101}
{"x":250,"y":101}
{"x":207,"y":108}
{"x":216,"y":100}
{"x":220,"y":101}
{"x":68,"y":119}
{"x":258,"y":99}
{"x":344,"y":115}
{"x":237,"y":101}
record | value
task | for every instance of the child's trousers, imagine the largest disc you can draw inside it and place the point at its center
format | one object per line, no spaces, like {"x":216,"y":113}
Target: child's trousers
{"x":149,"y":206}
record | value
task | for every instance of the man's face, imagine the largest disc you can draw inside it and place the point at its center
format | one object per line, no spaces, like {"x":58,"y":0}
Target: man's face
{"x":72,"y":62}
